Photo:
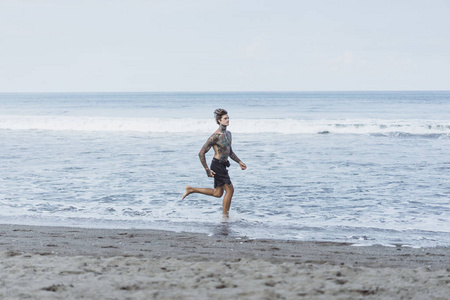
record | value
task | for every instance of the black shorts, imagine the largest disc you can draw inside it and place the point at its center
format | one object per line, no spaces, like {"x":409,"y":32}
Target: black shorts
{"x":220,"y":168}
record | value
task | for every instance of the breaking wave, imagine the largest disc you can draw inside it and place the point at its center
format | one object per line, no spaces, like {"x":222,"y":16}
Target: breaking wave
{"x":431,"y":128}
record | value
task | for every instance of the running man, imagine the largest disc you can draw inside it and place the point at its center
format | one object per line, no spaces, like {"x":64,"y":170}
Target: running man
{"x":220,"y":140}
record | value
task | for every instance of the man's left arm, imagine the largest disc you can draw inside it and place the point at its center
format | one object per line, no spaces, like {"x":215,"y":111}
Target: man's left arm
{"x":234,"y":157}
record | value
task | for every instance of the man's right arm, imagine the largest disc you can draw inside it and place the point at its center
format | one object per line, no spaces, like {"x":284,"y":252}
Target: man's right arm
{"x":209,"y":143}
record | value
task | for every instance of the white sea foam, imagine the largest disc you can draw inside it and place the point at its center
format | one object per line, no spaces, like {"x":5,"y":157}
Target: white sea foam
{"x":174,"y":125}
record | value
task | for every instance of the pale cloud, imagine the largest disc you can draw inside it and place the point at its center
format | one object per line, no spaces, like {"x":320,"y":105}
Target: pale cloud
{"x":347,"y":59}
{"x":255,"y":49}
{"x":436,"y":41}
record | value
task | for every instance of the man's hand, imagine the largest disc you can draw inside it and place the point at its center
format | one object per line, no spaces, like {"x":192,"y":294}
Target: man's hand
{"x":243,"y":166}
{"x":210,"y":173}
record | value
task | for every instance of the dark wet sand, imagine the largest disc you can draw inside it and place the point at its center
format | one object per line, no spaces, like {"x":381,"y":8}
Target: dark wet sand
{"x":64,"y":263}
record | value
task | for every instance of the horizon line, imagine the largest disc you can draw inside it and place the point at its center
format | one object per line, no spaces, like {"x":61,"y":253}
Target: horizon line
{"x":208,"y":92}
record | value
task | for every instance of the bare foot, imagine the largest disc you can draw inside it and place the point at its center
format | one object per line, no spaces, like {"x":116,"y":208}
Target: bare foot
{"x":188,"y":191}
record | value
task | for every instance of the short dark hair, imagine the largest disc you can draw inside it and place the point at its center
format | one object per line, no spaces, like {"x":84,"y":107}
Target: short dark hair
{"x":219,"y":113}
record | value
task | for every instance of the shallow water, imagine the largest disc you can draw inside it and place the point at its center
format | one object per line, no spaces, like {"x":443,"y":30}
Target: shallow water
{"x":378,"y":172}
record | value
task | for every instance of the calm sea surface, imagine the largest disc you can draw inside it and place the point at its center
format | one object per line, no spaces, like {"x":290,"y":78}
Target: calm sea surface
{"x":360,"y":167}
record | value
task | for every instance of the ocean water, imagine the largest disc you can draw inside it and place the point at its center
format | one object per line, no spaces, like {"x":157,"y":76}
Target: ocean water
{"x":359,"y":167}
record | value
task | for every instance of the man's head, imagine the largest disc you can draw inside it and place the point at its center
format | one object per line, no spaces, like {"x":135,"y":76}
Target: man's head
{"x":220,"y":115}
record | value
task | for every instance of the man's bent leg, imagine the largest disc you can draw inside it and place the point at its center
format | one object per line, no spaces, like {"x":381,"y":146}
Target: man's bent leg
{"x":217,"y":192}
{"x":229,"y":191}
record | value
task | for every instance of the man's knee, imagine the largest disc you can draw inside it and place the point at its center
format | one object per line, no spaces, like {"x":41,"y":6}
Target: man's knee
{"x":218,"y":192}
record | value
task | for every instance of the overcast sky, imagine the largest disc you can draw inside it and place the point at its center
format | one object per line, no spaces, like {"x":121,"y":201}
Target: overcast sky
{"x":223,"y":45}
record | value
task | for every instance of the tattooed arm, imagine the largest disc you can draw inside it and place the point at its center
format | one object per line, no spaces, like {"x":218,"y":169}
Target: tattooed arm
{"x":209,"y":143}
{"x":234,"y":157}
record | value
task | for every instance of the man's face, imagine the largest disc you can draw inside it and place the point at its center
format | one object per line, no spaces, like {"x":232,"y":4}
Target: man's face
{"x":225,"y":120}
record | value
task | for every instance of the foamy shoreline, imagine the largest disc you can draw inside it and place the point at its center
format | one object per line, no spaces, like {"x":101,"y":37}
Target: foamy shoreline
{"x":69,"y":263}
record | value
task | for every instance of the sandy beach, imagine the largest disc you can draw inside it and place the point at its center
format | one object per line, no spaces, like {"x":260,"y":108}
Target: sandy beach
{"x":74,"y":263}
